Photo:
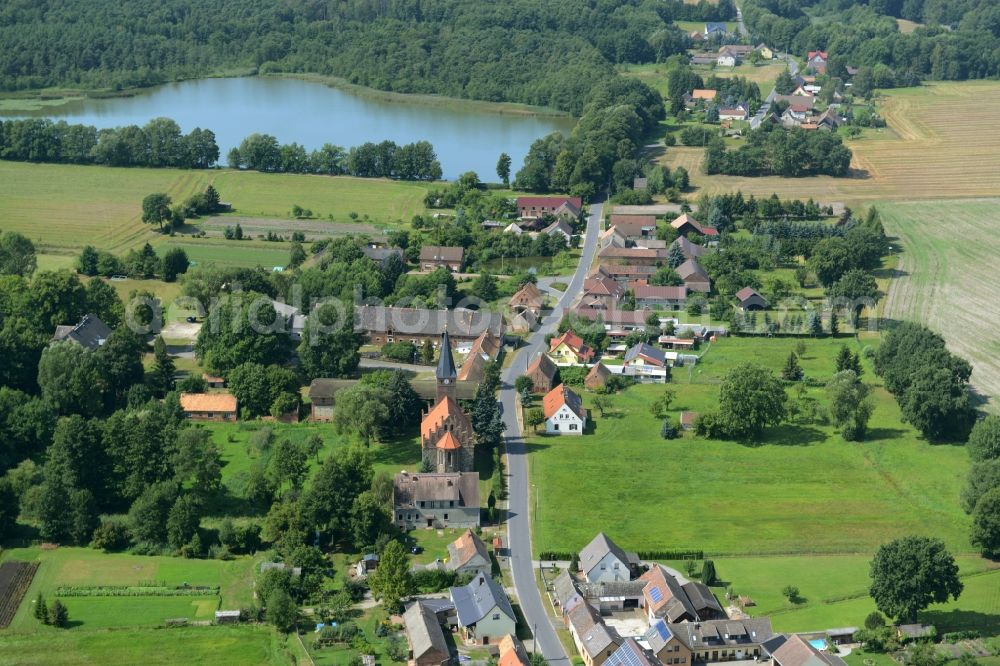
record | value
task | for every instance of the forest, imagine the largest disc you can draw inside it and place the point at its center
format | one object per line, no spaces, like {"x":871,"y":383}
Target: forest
{"x":957,"y":41}
{"x":775,"y":151}
{"x":548,"y":54}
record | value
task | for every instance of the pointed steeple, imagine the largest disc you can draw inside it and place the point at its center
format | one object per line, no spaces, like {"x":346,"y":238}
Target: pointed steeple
{"x":446,"y":373}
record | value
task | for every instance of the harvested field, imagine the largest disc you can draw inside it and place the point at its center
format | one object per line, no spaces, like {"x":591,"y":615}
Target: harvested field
{"x":15,"y":578}
{"x":931,"y":150}
{"x":947,"y":277}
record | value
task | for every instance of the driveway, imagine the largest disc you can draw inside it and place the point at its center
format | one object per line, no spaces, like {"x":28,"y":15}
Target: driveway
{"x":518,"y":525}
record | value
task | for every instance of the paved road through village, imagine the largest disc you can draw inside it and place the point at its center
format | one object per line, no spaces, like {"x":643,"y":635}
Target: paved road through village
{"x":519,"y":490}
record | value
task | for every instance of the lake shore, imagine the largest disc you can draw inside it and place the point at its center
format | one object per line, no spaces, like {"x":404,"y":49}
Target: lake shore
{"x":38,"y":102}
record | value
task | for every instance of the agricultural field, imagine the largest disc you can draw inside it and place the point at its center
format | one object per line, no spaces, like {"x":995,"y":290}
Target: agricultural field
{"x":64,"y":207}
{"x":947,"y":277}
{"x":84,"y":567}
{"x":803,"y":490}
{"x":931,"y":150}
{"x":15,"y":578}
{"x":186,"y":645}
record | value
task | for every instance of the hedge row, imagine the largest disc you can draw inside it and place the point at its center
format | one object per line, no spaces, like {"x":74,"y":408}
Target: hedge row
{"x":134,"y":591}
{"x":643,"y":555}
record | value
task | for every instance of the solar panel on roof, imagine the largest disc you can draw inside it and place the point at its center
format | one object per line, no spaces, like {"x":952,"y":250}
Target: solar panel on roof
{"x":656,"y":595}
{"x":662,"y":630}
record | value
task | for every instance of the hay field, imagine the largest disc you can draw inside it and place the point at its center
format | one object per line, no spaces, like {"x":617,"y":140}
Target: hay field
{"x":933,"y":149}
{"x":64,"y":207}
{"x":949,"y":277}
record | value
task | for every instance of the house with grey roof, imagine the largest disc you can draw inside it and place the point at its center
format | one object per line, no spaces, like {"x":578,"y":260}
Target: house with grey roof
{"x":560,"y":228}
{"x":630,"y":653}
{"x":384,"y":324}
{"x":603,"y":560}
{"x":618,"y":595}
{"x":565,"y":594}
{"x":427,"y":643}
{"x":641,"y":355}
{"x":708,"y":642}
{"x":484,"y":611}
{"x":436,"y":500}
{"x":594,"y":640}
{"x":90,"y":333}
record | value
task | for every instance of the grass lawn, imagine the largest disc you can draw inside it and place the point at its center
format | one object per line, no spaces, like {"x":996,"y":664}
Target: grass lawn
{"x":187,"y":645}
{"x":834,"y":591}
{"x":938,"y":262}
{"x":64,"y":207}
{"x":84,"y":566}
{"x":221,"y":252}
{"x":804,"y":490}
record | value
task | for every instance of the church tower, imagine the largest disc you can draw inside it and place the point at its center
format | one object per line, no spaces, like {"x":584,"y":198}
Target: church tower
{"x":446,"y":373}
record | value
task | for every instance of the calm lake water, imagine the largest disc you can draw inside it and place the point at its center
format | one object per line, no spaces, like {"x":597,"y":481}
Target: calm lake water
{"x":313,"y":114}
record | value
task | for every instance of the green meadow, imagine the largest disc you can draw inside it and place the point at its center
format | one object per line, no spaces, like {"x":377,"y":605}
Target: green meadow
{"x":63,"y":207}
{"x":803,"y":490}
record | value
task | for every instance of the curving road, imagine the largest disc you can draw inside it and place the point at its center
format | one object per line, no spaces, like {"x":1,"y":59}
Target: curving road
{"x":518,"y":515}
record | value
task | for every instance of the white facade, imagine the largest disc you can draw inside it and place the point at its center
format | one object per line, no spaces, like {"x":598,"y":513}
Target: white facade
{"x":565,"y":422}
{"x":609,"y":570}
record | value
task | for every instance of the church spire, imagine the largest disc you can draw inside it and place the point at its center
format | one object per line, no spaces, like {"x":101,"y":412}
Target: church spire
{"x":446,"y":373}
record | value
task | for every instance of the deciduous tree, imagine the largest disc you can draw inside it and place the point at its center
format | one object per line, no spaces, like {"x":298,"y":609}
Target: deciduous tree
{"x":910,"y":573}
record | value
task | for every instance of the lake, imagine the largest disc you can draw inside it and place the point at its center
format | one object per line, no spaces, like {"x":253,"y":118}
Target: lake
{"x":466,"y":138}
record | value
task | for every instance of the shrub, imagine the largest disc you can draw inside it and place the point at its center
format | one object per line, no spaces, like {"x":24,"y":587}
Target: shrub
{"x":111,"y":536}
{"x":669,"y":430}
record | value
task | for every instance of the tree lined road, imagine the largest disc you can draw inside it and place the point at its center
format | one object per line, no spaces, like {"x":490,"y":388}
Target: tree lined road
{"x":518,"y":517}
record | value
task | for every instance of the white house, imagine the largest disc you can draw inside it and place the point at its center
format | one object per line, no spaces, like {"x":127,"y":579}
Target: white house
{"x":564,"y":412}
{"x":603,"y":561}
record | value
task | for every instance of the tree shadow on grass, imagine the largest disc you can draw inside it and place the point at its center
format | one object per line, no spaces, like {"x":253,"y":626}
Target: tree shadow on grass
{"x":792,"y":434}
{"x":987,"y":624}
{"x":532,"y":447}
{"x":876,"y":434}
{"x":402,"y":450}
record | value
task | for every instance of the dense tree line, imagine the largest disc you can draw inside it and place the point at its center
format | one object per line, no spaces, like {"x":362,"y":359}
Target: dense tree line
{"x":961,"y":40}
{"x":618,"y":115}
{"x":930,"y":383}
{"x":413,"y":161}
{"x":776,"y":151}
{"x":520,"y":51}
{"x":158,"y":143}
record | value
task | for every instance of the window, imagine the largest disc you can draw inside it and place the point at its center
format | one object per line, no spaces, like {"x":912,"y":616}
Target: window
{"x":496,"y":616}
{"x":603,"y":566}
{"x":399,"y":516}
{"x":446,"y":516}
{"x":421,"y":504}
{"x":451,"y":503}
{"x":572,"y":426}
{"x":555,"y":426}
{"x":616,"y":565}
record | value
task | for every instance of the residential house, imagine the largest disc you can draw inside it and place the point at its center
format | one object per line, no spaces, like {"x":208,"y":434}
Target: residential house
{"x":525,"y":307}
{"x":602,"y":560}
{"x":666,"y":598}
{"x":384,"y":324}
{"x":436,"y":500}
{"x":716,"y":29}
{"x":622,"y":273}
{"x":739,"y":112}
{"x":688,"y":249}
{"x":802,"y":102}
{"x":708,"y":642}
{"x":594,"y":640}
{"x":543,"y":373}
{"x":750,"y":299}
{"x":611,"y":237}
{"x":597,"y":378}
{"x":560,"y":228}
{"x":532,"y":208}
{"x":685,"y":224}
{"x":484,"y":351}
{"x":512,"y":652}
{"x":630,"y":653}
{"x":829,"y":120}
{"x":484,"y":611}
{"x":765,"y":51}
{"x":90,"y":333}
{"x":741,"y":50}
{"x":727,"y":58}
{"x":213,"y":381}
{"x":564,"y":412}
{"x":635,"y":227}
{"x":426,"y":640}
{"x":694,"y":276}
{"x":700,"y":96}
{"x":209,"y":406}
{"x":381,"y":255}
{"x":634,"y":256}
{"x":321,"y":398}
{"x":641,"y":355}
{"x":570,"y":349}
{"x":295,"y":321}
{"x":447,"y":442}
{"x":602,"y":293}
{"x":565,"y":595}
{"x":794,"y":650}
{"x":468,"y":554}
{"x":817,"y":61}
{"x":440,"y":256}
